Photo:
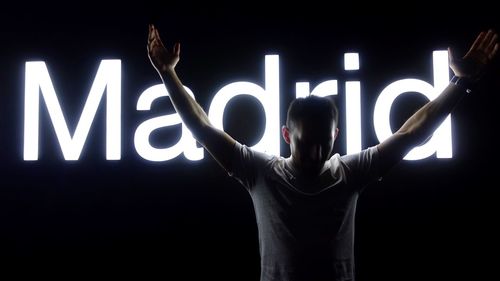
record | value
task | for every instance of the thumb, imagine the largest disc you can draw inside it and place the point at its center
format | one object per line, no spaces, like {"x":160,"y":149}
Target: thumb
{"x":451,"y":55}
{"x":177,"y":49}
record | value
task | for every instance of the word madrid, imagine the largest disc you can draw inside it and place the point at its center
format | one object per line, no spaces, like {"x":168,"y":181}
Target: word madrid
{"x":107,"y":82}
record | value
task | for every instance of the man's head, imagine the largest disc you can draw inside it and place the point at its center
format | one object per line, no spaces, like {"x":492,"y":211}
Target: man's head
{"x":311,"y":129}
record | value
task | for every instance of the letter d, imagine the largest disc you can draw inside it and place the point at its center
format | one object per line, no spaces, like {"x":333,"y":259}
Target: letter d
{"x":268,"y":97}
{"x":441,"y":139}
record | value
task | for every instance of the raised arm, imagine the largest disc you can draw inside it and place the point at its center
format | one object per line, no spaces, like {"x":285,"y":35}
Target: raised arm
{"x":217,"y":142}
{"x":422,"y":124}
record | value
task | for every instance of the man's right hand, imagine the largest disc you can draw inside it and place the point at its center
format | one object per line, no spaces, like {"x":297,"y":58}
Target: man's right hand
{"x":217,"y":142}
{"x":162,"y":59}
{"x":479,"y":56}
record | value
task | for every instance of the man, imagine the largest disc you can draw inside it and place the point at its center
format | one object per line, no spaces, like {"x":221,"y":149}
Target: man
{"x":305,"y":204}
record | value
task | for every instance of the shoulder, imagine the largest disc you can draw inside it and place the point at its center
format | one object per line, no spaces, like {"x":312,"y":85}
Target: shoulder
{"x":254,"y":155}
{"x":369,"y":154}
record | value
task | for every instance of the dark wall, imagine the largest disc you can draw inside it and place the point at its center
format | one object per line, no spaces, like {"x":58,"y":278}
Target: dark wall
{"x":432,"y":219}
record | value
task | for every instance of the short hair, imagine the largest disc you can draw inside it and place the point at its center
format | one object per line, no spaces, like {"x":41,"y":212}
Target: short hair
{"x":312,"y":108}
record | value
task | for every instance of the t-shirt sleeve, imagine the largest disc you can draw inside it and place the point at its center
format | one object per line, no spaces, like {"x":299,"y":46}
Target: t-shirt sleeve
{"x":362,"y":168}
{"x":247,"y":165}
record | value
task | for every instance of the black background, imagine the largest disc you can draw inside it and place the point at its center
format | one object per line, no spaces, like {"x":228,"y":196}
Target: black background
{"x":432,"y":219}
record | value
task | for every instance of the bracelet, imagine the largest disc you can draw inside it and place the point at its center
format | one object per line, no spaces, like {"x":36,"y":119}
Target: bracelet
{"x":464,"y":83}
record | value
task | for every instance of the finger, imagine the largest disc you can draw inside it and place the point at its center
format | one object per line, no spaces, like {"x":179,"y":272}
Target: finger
{"x":151,"y":33}
{"x":494,"y":52}
{"x":486,"y":40}
{"x":150,"y":44}
{"x":492,"y":43}
{"x":157,"y":36}
{"x":478,"y":41}
{"x":155,"y":43}
{"x":153,"y":38}
{"x":177,"y":49}
{"x":451,"y":56}
{"x":153,"y":28}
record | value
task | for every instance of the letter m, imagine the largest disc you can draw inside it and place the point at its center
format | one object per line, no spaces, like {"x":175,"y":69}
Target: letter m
{"x":38,"y":81}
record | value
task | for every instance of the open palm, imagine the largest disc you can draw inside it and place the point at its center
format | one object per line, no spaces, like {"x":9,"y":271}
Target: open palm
{"x":479,"y":56}
{"x":162,"y":59}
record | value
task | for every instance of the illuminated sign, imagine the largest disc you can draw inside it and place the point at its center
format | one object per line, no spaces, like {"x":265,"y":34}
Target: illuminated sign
{"x":107,"y":83}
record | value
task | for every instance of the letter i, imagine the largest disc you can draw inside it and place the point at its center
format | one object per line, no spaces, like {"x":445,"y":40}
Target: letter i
{"x":353,"y":105}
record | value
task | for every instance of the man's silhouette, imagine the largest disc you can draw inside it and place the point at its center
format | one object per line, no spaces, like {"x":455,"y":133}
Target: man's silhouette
{"x":305,"y":204}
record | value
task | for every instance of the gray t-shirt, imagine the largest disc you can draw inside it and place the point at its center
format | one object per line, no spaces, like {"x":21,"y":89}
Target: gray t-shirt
{"x":306,"y":227}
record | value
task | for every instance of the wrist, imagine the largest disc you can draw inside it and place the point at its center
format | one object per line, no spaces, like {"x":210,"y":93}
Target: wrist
{"x":167,"y":71}
{"x":465,"y":83}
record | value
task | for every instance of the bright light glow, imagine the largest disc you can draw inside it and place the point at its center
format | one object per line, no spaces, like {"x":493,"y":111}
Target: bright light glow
{"x":442,"y":135}
{"x":351,"y":61}
{"x":186,"y":144}
{"x":441,"y":139}
{"x":353,"y":116}
{"x":38,"y":80}
{"x":302,"y":90}
{"x":323,"y":89}
{"x":108,"y":76}
{"x":268,"y":97}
